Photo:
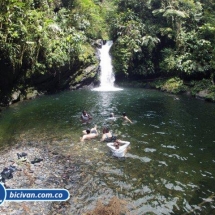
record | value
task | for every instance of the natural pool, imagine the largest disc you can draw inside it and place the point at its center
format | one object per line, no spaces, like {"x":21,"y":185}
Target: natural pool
{"x":170,"y":168}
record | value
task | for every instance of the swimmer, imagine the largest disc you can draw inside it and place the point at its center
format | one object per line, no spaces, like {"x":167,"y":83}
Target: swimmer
{"x":119,"y":148}
{"x":111,"y":118}
{"x":85,"y":117}
{"x":126,"y":118}
{"x":89,"y":134}
{"x":107,"y":135}
{"x":92,"y":130}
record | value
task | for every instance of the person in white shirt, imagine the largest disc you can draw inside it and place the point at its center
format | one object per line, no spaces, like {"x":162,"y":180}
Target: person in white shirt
{"x":118,"y":148}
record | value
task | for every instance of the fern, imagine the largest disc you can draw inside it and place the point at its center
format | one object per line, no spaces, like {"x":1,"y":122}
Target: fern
{"x":172,"y":12}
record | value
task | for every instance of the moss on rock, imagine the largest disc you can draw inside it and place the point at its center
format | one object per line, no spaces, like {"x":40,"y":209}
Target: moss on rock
{"x":173,"y":85}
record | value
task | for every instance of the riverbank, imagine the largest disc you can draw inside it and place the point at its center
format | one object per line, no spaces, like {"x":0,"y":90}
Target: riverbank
{"x":202,"y":89}
{"x":54,"y":170}
{"x":42,"y":168}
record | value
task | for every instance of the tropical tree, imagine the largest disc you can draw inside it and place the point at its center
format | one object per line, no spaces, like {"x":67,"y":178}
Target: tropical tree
{"x":135,"y":41}
{"x":35,"y":41}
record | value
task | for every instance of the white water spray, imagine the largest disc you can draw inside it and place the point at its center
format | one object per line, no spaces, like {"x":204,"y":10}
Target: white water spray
{"x":107,"y":76}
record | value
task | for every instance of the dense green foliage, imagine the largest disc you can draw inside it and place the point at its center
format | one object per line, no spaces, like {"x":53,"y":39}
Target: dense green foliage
{"x":32,"y":34}
{"x":165,"y":37}
{"x":41,"y":39}
{"x":158,"y":39}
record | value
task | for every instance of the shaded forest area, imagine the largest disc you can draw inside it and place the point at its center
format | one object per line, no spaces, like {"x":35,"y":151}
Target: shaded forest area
{"x":50,"y":45}
{"x":168,"y":41}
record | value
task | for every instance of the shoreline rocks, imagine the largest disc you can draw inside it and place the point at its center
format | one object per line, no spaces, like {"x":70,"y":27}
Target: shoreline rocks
{"x":53,"y":171}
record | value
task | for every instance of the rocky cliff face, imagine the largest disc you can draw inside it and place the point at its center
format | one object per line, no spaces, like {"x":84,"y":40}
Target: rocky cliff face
{"x":14,"y":90}
{"x":16,"y":86}
{"x":20,"y":83}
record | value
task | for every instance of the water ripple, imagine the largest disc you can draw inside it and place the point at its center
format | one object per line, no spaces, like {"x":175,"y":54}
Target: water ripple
{"x":175,"y":156}
{"x":149,"y":150}
{"x":143,"y":159}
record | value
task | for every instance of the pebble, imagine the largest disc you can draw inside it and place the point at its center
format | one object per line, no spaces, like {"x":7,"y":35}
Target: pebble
{"x":47,"y":174}
{"x":69,"y":186}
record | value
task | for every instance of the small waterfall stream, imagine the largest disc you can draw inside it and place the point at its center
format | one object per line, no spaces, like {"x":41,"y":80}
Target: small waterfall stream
{"x":107,"y":75}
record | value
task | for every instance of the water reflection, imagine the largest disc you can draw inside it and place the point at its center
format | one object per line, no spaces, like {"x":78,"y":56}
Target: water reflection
{"x":142,"y":159}
{"x":105,"y":103}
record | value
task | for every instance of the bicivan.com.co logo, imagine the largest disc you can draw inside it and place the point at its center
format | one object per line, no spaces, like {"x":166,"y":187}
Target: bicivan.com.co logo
{"x":32,"y":194}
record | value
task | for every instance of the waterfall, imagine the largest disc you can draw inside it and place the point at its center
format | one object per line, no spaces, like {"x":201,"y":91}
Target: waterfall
{"x":107,"y":77}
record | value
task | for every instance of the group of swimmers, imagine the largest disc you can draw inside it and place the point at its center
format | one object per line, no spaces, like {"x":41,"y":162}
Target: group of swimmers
{"x":118,"y":147}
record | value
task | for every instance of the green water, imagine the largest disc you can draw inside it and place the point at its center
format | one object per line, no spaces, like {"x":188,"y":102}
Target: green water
{"x":170,"y":167}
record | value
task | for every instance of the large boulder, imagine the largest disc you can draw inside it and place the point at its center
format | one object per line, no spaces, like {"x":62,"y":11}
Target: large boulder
{"x":202,"y":94}
{"x":84,"y":77}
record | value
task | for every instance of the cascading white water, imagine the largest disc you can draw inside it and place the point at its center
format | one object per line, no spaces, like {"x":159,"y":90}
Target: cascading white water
{"x":107,"y":76}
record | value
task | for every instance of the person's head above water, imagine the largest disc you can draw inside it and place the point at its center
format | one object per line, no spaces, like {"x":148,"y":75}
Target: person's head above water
{"x":88,"y":131}
{"x":84,"y":112}
{"x":105,"y":130}
{"x":112,"y":115}
{"x":116,"y":144}
{"x":124,"y":114}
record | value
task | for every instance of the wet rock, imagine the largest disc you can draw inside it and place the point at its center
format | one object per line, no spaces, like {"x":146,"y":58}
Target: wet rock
{"x":15,"y":96}
{"x":202,"y":94}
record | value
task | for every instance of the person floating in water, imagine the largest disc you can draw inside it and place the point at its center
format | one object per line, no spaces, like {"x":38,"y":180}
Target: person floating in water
{"x":92,"y":130}
{"x":126,"y":119}
{"x":119,"y":148}
{"x":85,"y":117}
{"x":111,"y":118}
{"x":89,"y":133}
{"x":107,"y":136}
